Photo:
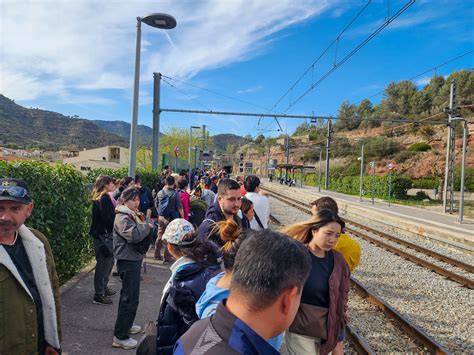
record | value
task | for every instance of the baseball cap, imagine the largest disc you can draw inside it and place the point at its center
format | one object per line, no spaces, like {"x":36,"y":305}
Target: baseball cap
{"x":176,"y":230}
{"x":14,"y":190}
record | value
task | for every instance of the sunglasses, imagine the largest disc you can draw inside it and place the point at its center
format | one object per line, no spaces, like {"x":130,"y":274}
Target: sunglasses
{"x":14,"y":191}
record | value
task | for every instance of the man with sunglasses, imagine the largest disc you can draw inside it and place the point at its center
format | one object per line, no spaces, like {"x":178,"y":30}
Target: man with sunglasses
{"x":29,"y":285}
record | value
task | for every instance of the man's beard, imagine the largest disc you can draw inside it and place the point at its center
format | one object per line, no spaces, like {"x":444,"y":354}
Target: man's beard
{"x":6,"y":228}
{"x":230,"y":212}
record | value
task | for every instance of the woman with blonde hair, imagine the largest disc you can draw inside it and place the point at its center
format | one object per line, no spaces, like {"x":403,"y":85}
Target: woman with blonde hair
{"x":322,"y":316}
{"x":102,"y":226}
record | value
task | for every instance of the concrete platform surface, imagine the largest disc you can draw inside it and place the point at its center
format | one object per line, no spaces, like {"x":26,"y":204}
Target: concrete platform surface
{"x":447,"y":222}
{"x":88,"y":328}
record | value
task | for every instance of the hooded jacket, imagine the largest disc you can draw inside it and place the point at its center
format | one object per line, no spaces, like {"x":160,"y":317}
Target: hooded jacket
{"x":128,"y":230}
{"x":208,"y":229}
{"x":17,"y":309}
{"x":177,"y":310}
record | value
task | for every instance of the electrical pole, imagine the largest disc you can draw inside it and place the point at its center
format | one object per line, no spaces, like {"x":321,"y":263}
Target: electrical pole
{"x":156,"y":122}
{"x":463,"y":166}
{"x":372,"y":163}
{"x":319,"y":170}
{"x":203,"y":142}
{"x":450,"y":154}
{"x":361,"y":172}
{"x":328,"y":149}
{"x":287,"y":155}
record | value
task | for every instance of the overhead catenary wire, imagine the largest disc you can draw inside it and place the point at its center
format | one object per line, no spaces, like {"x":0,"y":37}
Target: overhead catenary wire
{"x":311,"y":67}
{"x":185,"y":94}
{"x":351,"y":53}
{"x":216,"y":93}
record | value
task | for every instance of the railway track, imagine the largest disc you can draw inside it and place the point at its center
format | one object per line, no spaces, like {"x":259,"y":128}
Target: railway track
{"x":360,"y":345}
{"x":463,"y":280}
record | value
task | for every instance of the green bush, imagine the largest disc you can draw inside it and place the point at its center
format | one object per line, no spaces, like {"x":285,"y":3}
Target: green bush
{"x":426,"y":183}
{"x":419,"y":147}
{"x":61,"y":211}
{"x":421,"y":195}
{"x":149,"y":178}
{"x":351,"y":184}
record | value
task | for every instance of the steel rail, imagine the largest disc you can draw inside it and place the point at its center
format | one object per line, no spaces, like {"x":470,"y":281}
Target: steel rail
{"x":410,"y":328}
{"x":426,"y":264}
{"x":360,"y":345}
{"x":429,"y":252}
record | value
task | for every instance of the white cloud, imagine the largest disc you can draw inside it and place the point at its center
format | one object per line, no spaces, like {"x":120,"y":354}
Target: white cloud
{"x":53,"y":48}
{"x":423,"y":81}
{"x":252,"y":89}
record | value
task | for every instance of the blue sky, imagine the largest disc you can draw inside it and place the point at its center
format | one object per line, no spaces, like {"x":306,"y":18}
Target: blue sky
{"x":77,"y":57}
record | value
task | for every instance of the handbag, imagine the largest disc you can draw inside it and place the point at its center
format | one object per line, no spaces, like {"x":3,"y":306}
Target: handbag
{"x":148,"y":344}
{"x":310,"y":321}
{"x":106,"y":244}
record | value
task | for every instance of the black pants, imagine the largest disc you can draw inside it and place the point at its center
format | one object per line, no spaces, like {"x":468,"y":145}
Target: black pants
{"x":103,"y":269}
{"x":129,"y":271}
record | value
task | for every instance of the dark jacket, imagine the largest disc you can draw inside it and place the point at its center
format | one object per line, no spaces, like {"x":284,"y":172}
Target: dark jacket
{"x":208,"y":228}
{"x":146,"y":201}
{"x":222,"y":333}
{"x":178,"y":308}
{"x":103,"y":216}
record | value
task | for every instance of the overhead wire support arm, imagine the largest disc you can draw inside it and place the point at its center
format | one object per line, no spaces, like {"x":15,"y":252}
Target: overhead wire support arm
{"x":272,"y":115}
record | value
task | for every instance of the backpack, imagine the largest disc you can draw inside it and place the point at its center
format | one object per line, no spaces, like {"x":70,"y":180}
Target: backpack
{"x":164,"y":207}
{"x":144,"y":201}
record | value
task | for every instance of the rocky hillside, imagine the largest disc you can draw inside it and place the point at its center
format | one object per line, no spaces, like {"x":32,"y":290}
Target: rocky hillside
{"x":122,"y":129}
{"x":35,"y":128}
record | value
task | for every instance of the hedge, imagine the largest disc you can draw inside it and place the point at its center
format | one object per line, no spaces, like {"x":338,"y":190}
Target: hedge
{"x":149,"y":178}
{"x":351,"y":184}
{"x":61,"y":211}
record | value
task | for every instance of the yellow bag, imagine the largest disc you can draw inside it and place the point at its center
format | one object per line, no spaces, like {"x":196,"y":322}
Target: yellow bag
{"x":349,"y":249}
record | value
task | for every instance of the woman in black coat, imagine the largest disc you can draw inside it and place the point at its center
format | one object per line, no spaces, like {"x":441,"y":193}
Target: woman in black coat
{"x":103,"y":215}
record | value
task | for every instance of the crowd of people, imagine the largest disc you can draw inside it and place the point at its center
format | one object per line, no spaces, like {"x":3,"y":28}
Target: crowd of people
{"x":237,"y":285}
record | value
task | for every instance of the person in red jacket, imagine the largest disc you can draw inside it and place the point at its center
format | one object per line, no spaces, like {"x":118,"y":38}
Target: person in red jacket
{"x":185,"y":198}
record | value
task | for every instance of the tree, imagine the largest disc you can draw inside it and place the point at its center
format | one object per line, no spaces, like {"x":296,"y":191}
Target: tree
{"x":259,"y":139}
{"x":365,"y":110}
{"x":347,"y":117}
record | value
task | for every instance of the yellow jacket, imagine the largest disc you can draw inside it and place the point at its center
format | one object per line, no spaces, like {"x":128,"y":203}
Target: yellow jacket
{"x":349,"y":249}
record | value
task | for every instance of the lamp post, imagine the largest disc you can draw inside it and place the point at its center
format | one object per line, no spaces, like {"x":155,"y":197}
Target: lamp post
{"x":319,"y":170}
{"x":162,"y":21}
{"x":361,"y":158}
{"x":191,"y":143}
{"x":463,"y":166}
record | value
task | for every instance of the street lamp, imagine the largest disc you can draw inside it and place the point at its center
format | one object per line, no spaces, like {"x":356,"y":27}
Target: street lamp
{"x":319,"y":170}
{"x":162,"y":21}
{"x":191,"y":143}
{"x":463,"y":165}
{"x":361,"y":158}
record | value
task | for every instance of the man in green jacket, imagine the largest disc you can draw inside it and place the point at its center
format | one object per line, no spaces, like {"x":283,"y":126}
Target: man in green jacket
{"x":29,"y":285}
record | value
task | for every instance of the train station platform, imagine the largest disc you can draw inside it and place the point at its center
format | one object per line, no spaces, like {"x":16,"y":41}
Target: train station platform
{"x":89,"y":328}
{"x":416,"y":220}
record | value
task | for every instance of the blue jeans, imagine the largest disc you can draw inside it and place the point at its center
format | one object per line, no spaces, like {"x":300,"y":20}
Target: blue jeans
{"x":129,"y":271}
{"x":103,"y":269}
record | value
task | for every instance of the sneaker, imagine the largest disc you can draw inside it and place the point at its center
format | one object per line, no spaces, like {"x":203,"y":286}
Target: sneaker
{"x":135,"y":329}
{"x":109,"y":292}
{"x":115,"y":273}
{"x":102,"y":300}
{"x":126,"y":344}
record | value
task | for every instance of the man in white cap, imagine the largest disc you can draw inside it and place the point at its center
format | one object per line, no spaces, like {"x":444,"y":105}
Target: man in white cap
{"x":30,"y":321}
